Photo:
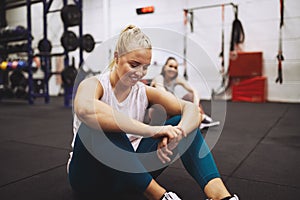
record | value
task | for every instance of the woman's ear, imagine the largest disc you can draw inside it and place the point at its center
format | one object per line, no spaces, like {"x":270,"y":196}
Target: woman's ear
{"x":116,"y":57}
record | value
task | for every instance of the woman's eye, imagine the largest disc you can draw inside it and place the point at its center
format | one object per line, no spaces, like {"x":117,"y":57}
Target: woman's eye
{"x":145,"y":67}
{"x":139,"y":65}
{"x":134,"y":65}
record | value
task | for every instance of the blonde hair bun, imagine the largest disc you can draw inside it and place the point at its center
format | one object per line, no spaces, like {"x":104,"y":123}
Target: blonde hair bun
{"x":130,"y":39}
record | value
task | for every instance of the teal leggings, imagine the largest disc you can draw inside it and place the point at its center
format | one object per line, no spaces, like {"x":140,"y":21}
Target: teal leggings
{"x":88,"y":176}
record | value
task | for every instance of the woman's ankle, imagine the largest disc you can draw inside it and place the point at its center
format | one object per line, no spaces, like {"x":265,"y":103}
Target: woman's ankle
{"x":215,"y":189}
{"x":154,"y":191}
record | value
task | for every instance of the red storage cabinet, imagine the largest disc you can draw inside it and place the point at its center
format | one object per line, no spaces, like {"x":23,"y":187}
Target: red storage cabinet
{"x":246,"y":64}
{"x":250,"y":90}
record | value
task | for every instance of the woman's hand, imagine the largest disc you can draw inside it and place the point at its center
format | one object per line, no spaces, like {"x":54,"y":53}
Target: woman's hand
{"x":166,"y":145}
{"x":171,"y":132}
{"x":163,"y":152}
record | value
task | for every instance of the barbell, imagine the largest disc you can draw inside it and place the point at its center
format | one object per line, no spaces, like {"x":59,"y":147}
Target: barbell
{"x":12,"y":65}
{"x":87,"y":43}
{"x":44,"y":46}
{"x":70,"y":42}
{"x":71,"y":15}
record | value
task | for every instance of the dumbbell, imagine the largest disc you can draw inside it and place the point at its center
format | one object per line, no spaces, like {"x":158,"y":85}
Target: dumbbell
{"x":70,"y":42}
{"x":3,"y":65}
{"x":14,"y":64}
{"x":22,"y":64}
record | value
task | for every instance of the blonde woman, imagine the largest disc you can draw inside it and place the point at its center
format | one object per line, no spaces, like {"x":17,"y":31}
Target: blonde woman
{"x":116,"y":102}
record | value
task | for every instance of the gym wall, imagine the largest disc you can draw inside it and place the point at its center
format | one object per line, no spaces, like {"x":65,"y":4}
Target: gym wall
{"x":260,"y":19}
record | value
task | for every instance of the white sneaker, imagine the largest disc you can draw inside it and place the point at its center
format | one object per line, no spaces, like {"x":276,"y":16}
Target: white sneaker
{"x":170,"y":196}
{"x":234,"y":197}
{"x":206,"y":124}
{"x":207,"y":118}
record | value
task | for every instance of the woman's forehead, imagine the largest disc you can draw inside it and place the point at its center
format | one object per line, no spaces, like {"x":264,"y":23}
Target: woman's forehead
{"x":139,"y":54}
{"x":172,"y":61}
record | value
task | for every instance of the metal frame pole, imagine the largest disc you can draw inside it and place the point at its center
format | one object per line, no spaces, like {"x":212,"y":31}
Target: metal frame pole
{"x":30,"y":54}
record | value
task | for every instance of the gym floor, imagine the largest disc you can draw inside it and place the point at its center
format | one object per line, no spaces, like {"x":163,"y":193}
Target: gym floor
{"x":257,"y":152}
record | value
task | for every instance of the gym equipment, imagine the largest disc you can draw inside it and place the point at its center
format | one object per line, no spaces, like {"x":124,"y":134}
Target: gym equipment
{"x":15,"y":48}
{"x":38,"y":85}
{"x":14,"y":64}
{"x":222,"y":71}
{"x":17,"y":34}
{"x":87,"y":42}
{"x":44,"y":46}
{"x":246,"y":65}
{"x":185,"y":21}
{"x":280,"y":57}
{"x":18,"y":79}
{"x":71,"y":15}
{"x":238,"y":36}
{"x":22,"y":64}
{"x":3,"y":21}
{"x":20,"y":30}
{"x":68,"y":75}
{"x":18,"y":84}
{"x":250,"y":90}
{"x":13,"y":33}
{"x":69,"y":41}
{"x":9,"y":64}
{"x":3,"y":65}
{"x":237,"y":32}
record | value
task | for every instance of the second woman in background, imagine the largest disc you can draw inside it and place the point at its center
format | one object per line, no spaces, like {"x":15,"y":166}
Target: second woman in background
{"x":169,"y":79}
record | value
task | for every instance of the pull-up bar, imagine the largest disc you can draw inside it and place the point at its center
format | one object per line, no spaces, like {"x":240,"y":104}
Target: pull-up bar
{"x":191,"y":11}
{"x":210,"y":6}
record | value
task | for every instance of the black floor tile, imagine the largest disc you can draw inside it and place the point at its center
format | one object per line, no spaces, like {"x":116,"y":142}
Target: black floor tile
{"x":256,"y":149}
{"x":49,"y":185}
{"x":256,"y":190}
{"x":20,"y":161}
{"x":272,"y":163}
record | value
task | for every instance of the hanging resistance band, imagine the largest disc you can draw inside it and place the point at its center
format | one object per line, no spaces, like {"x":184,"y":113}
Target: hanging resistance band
{"x":280,"y":57}
{"x":237,"y":33}
{"x":222,"y":50}
{"x":185,"y":22}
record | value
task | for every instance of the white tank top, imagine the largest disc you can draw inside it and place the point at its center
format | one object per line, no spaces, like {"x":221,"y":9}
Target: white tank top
{"x":134,"y":105}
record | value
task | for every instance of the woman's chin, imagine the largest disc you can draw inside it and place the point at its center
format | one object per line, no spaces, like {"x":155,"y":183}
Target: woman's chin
{"x":131,"y":82}
{"x":171,"y":76}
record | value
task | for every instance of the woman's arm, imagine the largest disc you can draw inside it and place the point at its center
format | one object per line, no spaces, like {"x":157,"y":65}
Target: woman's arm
{"x":181,"y":81}
{"x":99,"y":115}
{"x":190,"y":116}
{"x":158,"y":82}
{"x":190,"y":119}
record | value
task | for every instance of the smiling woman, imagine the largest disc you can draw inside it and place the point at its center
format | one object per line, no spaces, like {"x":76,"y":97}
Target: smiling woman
{"x":130,"y":154}
{"x":132,"y":67}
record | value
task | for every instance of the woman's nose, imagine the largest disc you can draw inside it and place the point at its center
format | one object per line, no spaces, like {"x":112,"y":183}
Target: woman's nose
{"x":139,"y":71}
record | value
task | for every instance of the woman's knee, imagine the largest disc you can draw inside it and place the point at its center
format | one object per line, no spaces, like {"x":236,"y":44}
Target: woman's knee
{"x":173,"y":120}
{"x":188,"y":97}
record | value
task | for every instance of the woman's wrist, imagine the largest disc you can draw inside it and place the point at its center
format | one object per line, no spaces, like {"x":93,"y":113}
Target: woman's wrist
{"x":149,"y":131}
